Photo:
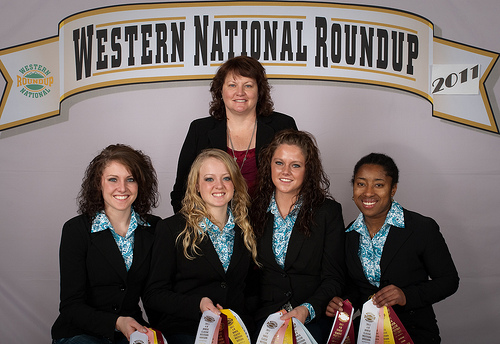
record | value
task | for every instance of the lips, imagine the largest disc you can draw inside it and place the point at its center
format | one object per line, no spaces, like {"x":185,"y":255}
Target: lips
{"x":369,"y":204}
{"x":121,"y":197}
{"x":286,"y":180}
{"x":219,"y":194}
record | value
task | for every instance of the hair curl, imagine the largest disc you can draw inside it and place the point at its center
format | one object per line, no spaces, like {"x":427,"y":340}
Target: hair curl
{"x":90,"y":199}
{"x":313,"y":192}
{"x":385,"y":161}
{"x":243,"y":66}
{"x":194,"y":209}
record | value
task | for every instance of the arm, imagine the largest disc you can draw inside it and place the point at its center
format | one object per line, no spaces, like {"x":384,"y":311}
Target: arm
{"x":166,"y":257}
{"x":187,"y":155}
{"x":75,"y":292}
{"x":437,"y":261}
{"x":333,"y":263}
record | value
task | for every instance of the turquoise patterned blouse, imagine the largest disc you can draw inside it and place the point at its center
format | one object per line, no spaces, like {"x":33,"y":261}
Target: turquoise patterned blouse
{"x":370,"y":249}
{"x":282,"y":230}
{"x":125,"y":244}
{"x":223,"y":240}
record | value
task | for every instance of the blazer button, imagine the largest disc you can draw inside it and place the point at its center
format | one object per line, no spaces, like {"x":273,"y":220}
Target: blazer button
{"x":283,"y":275}
{"x":122,"y":288}
{"x":115,"y":307}
{"x":223,"y":285}
{"x":288,"y":294}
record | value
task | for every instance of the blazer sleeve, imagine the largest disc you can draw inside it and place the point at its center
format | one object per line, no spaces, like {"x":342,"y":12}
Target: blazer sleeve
{"x":188,"y":153}
{"x":74,"y":282}
{"x":160,"y":295}
{"x":333,"y":261}
{"x":438,"y":262}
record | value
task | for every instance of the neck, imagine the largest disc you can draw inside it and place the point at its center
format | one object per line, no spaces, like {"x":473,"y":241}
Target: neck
{"x":218,"y":216}
{"x":285,"y":203}
{"x":120,"y":220}
{"x":236,"y":122}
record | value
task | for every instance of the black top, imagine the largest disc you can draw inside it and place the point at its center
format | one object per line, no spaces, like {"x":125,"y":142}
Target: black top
{"x":96,"y":287}
{"x":209,"y":132}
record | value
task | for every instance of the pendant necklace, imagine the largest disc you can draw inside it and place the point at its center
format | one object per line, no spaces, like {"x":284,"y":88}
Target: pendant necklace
{"x":248,"y":148}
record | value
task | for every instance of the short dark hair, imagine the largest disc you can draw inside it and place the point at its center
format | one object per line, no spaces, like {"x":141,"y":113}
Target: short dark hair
{"x":90,"y":199}
{"x":244,"y":66}
{"x":389,"y":166}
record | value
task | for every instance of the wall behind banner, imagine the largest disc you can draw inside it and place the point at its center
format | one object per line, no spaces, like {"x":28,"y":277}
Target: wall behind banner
{"x":448,"y":171}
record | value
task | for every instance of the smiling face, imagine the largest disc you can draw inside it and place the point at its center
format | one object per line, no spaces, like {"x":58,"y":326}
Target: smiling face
{"x":288,"y":168}
{"x":119,"y":188}
{"x":372,"y":192}
{"x":240,"y":94}
{"x":215,"y":185}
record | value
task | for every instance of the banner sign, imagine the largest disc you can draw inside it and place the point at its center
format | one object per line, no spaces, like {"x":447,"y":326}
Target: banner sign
{"x":142,"y":43}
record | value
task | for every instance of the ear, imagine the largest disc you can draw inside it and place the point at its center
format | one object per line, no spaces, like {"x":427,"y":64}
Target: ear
{"x":394,"y":189}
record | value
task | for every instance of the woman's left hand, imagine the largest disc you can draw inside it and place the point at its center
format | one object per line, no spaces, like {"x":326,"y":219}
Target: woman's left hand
{"x":300,"y":312}
{"x":128,"y":325}
{"x":389,"y":296}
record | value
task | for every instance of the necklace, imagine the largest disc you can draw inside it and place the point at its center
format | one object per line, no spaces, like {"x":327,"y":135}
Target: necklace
{"x":248,"y":148}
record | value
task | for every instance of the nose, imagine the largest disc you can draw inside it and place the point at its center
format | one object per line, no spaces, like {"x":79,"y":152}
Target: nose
{"x":369,"y":190}
{"x":240,"y":89}
{"x":121,"y":186}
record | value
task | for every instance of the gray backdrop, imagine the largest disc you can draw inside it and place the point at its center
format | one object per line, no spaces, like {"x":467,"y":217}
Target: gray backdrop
{"x":448,"y":171}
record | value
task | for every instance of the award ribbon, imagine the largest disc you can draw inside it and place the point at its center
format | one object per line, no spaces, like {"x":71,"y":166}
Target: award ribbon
{"x":401,"y":336}
{"x":271,"y":326}
{"x":153,"y":336}
{"x":302,"y":333}
{"x":342,"y":331}
{"x":223,"y":337}
{"x":368,"y":325}
{"x":238,"y":333}
{"x":209,"y":325}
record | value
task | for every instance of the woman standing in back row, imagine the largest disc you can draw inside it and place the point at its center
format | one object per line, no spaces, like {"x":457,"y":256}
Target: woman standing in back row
{"x":241,"y":122}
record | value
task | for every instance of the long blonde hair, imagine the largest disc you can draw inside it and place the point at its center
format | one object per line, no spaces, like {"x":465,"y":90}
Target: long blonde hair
{"x":194,"y":209}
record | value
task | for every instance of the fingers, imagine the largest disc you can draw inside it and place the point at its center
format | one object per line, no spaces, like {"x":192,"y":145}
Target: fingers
{"x":389,"y":296}
{"x":334,"y":305}
{"x":207,"y":304}
{"x":300,"y":313}
{"x":128,"y":325}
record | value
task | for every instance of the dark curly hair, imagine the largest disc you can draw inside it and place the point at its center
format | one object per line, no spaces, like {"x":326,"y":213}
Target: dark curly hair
{"x":314,"y":190}
{"x":244,"y":66}
{"x":385,"y":161}
{"x":90,"y":200}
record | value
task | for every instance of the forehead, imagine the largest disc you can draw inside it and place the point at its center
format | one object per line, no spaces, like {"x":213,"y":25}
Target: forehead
{"x":372,"y":172}
{"x":115,"y":167}
{"x":212,"y":165}
{"x":289,"y":151}
{"x":233,"y":76}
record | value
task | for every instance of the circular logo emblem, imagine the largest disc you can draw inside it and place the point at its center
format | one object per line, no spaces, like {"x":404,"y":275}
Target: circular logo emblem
{"x":370,"y":317}
{"x":209,"y":319}
{"x":34,"y":81}
{"x":272,"y":324}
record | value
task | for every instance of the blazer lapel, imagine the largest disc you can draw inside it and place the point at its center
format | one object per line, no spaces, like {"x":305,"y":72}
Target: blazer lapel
{"x":237,"y":249}
{"x":211,"y":255}
{"x":217,"y":136}
{"x":106,"y":244}
{"x":352,"y":259}
{"x":143,"y":242}
{"x":294,"y":245}
{"x":263,"y":136}
{"x":395,"y":239}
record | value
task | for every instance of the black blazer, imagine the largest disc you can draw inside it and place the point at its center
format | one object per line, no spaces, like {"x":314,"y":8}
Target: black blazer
{"x":95,"y":286}
{"x":314,"y":266}
{"x":415,"y":259}
{"x":177,"y":284}
{"x":209,"y":132}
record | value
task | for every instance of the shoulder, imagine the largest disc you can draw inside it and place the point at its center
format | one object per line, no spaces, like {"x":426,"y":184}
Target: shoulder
{"x":205,"y":122}
{"x":78,"y":223}
{"x":173,"y":225}
{"x":279,"y":121}
{"x":415,"y":219}
{"x":329,"y":205}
